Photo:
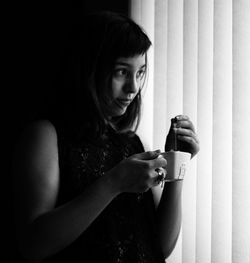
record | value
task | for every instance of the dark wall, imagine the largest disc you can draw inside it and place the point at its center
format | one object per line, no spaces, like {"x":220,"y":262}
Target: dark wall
{"x":40,"y":32}
{"x":37,"y":36}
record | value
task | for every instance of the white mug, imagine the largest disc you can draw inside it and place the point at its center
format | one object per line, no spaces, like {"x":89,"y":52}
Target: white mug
{"x":177,"y":165}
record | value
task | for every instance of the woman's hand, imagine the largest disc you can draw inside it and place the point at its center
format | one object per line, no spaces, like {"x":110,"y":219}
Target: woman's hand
{"x":182,"y":130}
{"x":137,"y":173}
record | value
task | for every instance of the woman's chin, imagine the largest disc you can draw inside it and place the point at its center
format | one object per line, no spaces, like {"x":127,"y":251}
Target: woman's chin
{"x":118,"y":112}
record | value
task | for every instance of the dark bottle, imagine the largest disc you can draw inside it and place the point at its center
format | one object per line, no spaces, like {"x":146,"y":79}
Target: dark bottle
{"x":172,"y":142}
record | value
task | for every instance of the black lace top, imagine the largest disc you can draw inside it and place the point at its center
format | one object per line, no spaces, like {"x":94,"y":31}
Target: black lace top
{"x":125,"y":231}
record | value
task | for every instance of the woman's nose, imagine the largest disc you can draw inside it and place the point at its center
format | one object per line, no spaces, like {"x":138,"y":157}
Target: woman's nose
{"x":132,"y":85}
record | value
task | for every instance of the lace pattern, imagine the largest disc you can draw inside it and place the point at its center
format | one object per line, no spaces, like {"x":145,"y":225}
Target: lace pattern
{"x":124,"y":231}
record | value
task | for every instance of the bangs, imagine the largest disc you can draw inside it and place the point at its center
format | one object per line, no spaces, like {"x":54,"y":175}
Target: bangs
{"x":131,"y":41}
{"x":110,"y":36}
{"x":126,"y":39}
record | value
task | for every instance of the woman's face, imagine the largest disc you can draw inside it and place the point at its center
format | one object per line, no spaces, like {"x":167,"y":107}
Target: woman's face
{"x":127,"y":79}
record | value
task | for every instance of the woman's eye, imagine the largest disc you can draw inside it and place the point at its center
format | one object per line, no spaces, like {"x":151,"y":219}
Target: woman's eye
{"x":121,"y":72}
{"x":140,"y":74}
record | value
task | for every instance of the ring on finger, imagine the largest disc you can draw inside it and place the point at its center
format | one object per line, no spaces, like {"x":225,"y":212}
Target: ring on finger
{"x":160,"y":176}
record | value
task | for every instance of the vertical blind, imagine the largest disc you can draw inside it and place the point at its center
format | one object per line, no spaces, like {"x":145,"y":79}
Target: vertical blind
{"x":200,"y":66}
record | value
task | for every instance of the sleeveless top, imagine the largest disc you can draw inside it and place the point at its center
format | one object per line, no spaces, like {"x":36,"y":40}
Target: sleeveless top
{"x":125,"y":231}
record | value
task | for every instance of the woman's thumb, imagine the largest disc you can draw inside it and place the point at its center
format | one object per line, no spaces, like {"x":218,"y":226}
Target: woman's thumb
{"x":149,"y":155}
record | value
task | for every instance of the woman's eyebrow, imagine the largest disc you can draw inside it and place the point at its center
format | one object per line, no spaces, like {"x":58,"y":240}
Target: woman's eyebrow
{"x":121,"y":63}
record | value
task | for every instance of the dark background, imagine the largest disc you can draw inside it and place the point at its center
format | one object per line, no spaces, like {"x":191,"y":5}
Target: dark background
{"x":35,"y":37}
{"x":39,"y":34}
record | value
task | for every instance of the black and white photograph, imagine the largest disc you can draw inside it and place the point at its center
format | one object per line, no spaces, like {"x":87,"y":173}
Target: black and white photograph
{"x":126,"y":137}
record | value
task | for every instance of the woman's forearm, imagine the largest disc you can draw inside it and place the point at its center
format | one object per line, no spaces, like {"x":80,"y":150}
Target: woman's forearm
{"x":169,"y":216}
{"x":53,"y":231}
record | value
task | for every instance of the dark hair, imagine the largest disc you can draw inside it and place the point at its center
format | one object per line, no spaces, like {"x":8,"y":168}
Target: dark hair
{"x":86,"y":70}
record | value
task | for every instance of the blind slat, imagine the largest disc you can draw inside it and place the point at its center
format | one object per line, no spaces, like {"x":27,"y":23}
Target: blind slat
{"x":202,"y":68}
{"x":241,"y":126}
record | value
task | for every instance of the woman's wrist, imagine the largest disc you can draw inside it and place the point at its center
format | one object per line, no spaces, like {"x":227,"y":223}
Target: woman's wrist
{"x":110,"y":182}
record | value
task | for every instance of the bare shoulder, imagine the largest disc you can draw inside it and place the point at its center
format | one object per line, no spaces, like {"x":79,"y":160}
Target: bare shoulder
{"x":37,"y":147}
{"x":35,"y":168}
{"x":38,"y":142}
{"x":40,"y":133}
{"x":39,"y":129}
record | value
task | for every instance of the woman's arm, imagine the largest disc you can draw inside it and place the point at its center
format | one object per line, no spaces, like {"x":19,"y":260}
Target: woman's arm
{"x":169,"y":201}
{"x":44,"y":230}
{"x":169,"y":214}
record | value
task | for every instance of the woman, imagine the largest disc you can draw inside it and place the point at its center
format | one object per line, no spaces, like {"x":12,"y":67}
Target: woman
{"x":85,"y":186}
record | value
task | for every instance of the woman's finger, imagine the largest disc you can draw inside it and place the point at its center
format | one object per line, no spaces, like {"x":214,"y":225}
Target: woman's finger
{"x":159,"y":176}
{"x":149,"y":155}
{"x":193,"y":141}
{"x":160,"y":161}
{"x":185,"y":124}
{"x":181,"y":117}
{"x":186,"y":132}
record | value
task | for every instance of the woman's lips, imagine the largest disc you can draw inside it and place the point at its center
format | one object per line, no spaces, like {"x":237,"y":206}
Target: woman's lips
{"x":124,"y":102}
